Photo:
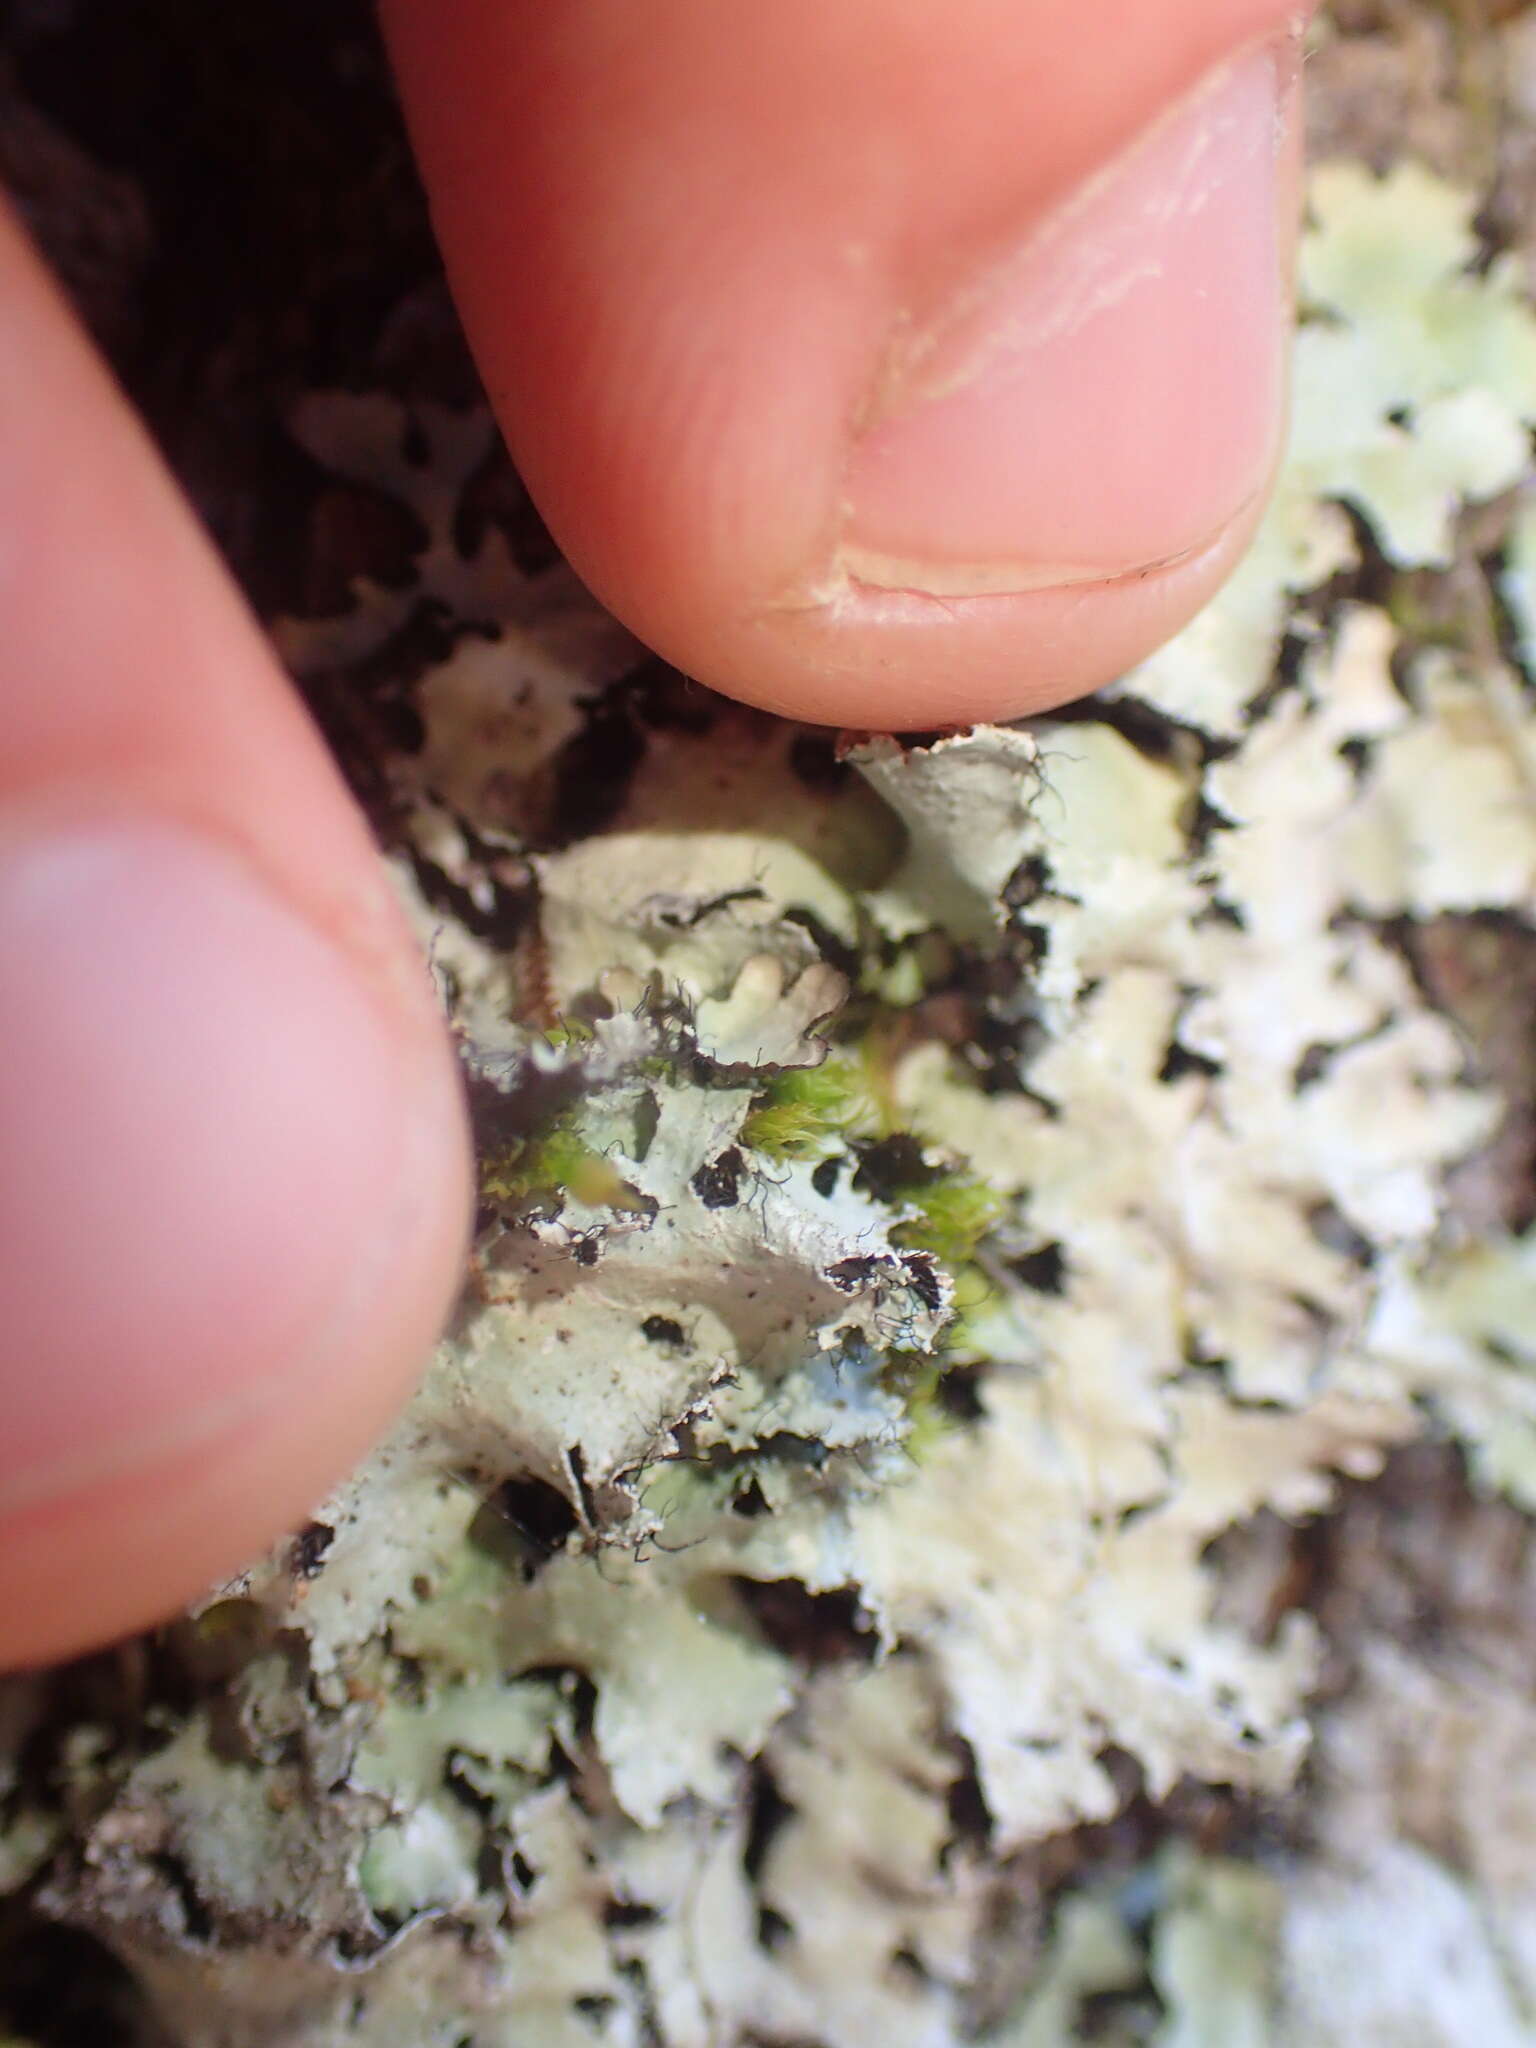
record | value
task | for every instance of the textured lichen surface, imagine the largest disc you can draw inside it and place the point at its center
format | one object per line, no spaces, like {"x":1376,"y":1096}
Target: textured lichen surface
{"x":956,"y":1219}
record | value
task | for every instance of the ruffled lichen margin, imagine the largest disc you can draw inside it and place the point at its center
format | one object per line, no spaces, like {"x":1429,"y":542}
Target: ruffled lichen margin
{"x":933,"y":1193}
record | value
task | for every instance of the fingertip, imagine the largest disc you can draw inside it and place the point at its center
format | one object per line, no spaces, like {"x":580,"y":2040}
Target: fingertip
{"x":905,"y":660}
{"x":234,"y":1175}
{"x":231,"y":1218}
{"x":841,"y":398}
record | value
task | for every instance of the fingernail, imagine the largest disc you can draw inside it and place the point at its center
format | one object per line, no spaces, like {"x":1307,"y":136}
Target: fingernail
{"x":1110,"y":396}
{"x":213,"y":1144}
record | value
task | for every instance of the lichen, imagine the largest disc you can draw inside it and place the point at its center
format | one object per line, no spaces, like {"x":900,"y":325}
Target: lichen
{"x":1415,"y":389}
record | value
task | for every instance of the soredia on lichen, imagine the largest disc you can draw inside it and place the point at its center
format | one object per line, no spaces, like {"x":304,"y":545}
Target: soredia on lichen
{"x":931,"y":1196}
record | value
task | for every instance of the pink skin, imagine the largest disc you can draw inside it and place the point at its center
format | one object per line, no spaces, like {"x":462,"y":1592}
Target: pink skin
{"x":883,"y":365}
{"x":1058,"y":424}
{"x":233,"y":1169}
{"x":846,"y":179}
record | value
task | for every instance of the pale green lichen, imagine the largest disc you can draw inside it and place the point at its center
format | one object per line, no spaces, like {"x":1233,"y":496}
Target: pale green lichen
{"x":1415,"y":389}
{"x":1213,"y":1953}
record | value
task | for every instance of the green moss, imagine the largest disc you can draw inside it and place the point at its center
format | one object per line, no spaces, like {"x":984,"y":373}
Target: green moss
{"x":920,"y":1376}
{"x":928,"y":1421}
{"x":557,"y":1162}
{"x":976,"y":1298}
{"x":806,"y":1112}
{"x":954,"y":1213}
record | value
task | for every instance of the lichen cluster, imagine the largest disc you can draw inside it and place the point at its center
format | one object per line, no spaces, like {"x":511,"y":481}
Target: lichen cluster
{"x":932,"y":1193}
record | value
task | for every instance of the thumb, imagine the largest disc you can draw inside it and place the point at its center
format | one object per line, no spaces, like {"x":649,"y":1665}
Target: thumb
{"x":882,"y":364}
{"x":233,"y":1171}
